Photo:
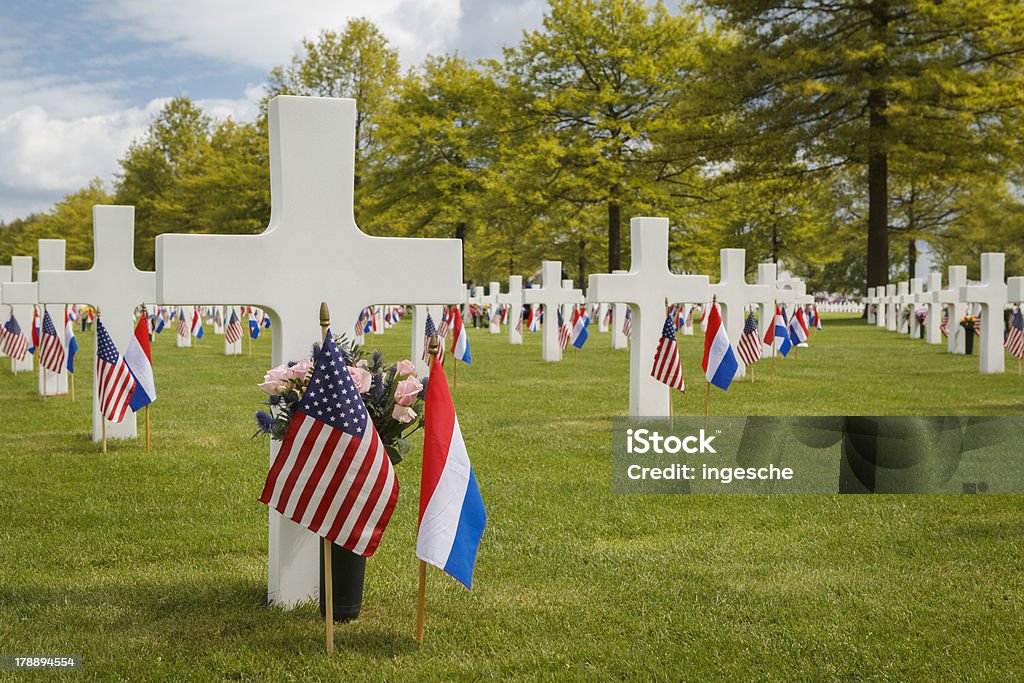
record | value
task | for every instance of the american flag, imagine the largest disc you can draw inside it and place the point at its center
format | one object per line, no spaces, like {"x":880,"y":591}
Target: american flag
{"x":977,"y":324}
{"x":496,"y":315}
{"x":115,"y":384}
{"x":332,"y":474}
{"x":749,"y":345}
{"x":944,"y":325}
{"x":666,"y":360}
{"x":564,"y":331}
{"x":15,"y":344}
{"x":429,"y":332}
{"x":1015,"y":337}
{"x":233,"y":331}
{"x":51,"y":350}
{"x":183,"y":329}
{"x":627,"y":324}
{"x":446,"y":321}
{"x":519,"y":321}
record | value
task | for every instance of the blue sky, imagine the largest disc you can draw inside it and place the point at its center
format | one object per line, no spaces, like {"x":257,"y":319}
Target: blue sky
{"x":80,"y":80}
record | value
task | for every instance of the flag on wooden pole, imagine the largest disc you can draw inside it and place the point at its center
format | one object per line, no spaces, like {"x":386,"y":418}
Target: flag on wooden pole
{"x":115,"y":384}
{"x":667,"y":368}
{"x":51,"y":350}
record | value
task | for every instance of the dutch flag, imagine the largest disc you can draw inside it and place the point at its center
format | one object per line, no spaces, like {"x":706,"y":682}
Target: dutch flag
{"x":460,"y":341}
{"x":797,"y":328}
{"x":140,"y":363}
{"x":452,"y":516}
{"x":719,"y":362}
{"x":579,"y":330}
{"x":197,"y":324}
{"x":778,"y":335}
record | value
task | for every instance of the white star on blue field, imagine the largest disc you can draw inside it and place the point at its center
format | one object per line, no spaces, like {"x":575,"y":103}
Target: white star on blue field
{"x":80,"y":80}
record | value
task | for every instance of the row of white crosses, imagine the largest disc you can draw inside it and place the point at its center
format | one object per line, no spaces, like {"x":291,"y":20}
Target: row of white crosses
{"x":991,"y":294}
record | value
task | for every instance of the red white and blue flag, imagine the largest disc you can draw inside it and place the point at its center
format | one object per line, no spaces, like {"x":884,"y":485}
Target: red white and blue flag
{"x":719,"y":362}
{"x":332,"y":474}
{"x":140,"y":363}
{"x":579,"y":329}
{"x":182,"y":330}
{"x":14,"y":343}
{"x":114,"y":381}
{"x":197,"y":324}
{"x":778,"y":334}
{"x":749,"y":346}
{"x":35,"y":330}
{"x":1015,"y":336}
{"x":51,"y":348}
{"x":533,"y":324}
{"x":564,"y":331}
{"x":667,"y":368}
{"x":452,"y":515}
{"x":233,"y":330}
{"x":627,"y":324}
{"x":460,"y":340}
{"x":797,"y":328}
{"x":70,"y":343}
{"x":430,"y":331}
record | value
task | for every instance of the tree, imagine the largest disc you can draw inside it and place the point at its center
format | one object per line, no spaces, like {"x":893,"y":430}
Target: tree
{"x":357,"y":63}
{"x":595,"y":85}
{"x":864,"y":83}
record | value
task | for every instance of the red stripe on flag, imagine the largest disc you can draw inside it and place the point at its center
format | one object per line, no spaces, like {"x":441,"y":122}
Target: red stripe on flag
{"x":441,"y":416}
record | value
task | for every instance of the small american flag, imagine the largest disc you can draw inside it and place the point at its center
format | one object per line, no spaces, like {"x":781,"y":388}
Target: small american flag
{"x":51,"y":350}
{"x":944,"y":325}
{"x":430,"y":331}
{"x":627,"y":324}
{"x":446,"y":321}
{"x":14,"y":342}
{"x":183,"y":329}
{"x":977,"y":324}
{"x":115,"y":384}
{"x":233,"y":331}
{"x":667,"y":368}
{"x":332,"y":474}
{"x":1015,"y":337}
{"x":496,"y":315}
{"x":749,"y":345}
{"x":564,"y":331}
{"x":519,"y":321}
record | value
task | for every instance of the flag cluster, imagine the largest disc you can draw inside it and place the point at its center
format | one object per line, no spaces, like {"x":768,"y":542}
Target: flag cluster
{"x":1015,"y":335}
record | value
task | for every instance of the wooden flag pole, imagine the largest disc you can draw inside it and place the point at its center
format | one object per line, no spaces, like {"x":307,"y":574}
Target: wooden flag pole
{"x":325,"y":322}
{"x":421,"y":602}
{"x":71,"y":384}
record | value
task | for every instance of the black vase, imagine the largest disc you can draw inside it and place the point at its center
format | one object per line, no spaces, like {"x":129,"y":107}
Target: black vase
{"x":969,"y":342}
{"x":349,"y":572}
{"x":921,"y":330}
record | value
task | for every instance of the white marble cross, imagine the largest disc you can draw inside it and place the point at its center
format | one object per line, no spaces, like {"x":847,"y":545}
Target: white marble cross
{"x":184,"y":341}
{"x":954,"y":307}
{"x":767,"y":275}
{"x":312,"y":251}
{"x":553,"y":296}
{"x":882,"y":314}
{"x":991,"y":294}
{"x":20,"y":293}
{"x":648,"y":287}
{"x":1014,"y":289}
{"x":891,"y":308}
{"x":419,"y":332}
{"x":491,"y":301}
{"x":51,"y":257}
{"x":514,"y":300}
{"x":114,"y":285}
{"x":602,"y":317}
{"x":5,"y":310}
{"x":568,"y":306}
{"x":872,"y":301}
{"x":734,"y":294}
{"x":932,"y":333}
{"x":902,"y":296}
{"x":619,"y":338}
{"x":911,"y":300}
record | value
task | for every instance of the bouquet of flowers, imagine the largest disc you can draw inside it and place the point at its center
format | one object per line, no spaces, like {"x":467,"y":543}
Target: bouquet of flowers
{"x":970,"y":323}
{"x":921,"y":314}
{"x":393,"y":395}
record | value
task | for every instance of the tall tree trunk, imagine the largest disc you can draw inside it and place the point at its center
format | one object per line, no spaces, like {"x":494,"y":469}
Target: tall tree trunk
{"x":582,"y":262}
{"x":614,"y":227}
{"x":775,"y":243}
{"x":912,"y":257}
{"x":878,"y":164}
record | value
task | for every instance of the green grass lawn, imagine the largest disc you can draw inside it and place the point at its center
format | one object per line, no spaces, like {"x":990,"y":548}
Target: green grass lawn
{"x":153,"y":567}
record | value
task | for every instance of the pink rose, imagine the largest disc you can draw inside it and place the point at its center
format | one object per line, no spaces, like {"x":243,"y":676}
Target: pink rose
{"x":270,"y":388}
{"x":361,"y":378}
{"x":276,"y":374}
{"x":403,"y":414}
{"x":405,"y":394}
{"x":299,"y":370}
{"x":406,"y":368}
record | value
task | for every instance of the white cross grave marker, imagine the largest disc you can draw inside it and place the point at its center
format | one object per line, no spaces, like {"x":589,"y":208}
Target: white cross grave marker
{"x":882,"y":314}
{"x":916,"y":290}
{"x":891,"y":308}
{"x":5,"y":310}
{"x":932,"y":333}
{"x":114,"y":285}
{"x":312,"y":153}
{"x":491,"y":300}
{"x":51,"y":257}
{"x":872,"y":301}
{"x":20,"y":294}
{"x":991,"y":294}
{"x":419,"y":332}
{"x":514,"y":300}
{"x":233,"y":349}
{"x":954,"y":306}
{"x":767,"y":274}
{"x":567,"y":307}
{"x":184,"y":341}
{"x":734,"y":294}
{"x":552,"y":295}
{"x":647,"y":287}
{"x":602,"y":317}
{"x":902,"y":295}
{"x":1014,"y":289}
{"x":619,"y":339}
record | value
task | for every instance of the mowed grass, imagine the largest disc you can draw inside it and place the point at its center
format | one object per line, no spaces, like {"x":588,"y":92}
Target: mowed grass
{"x":153,"y":566}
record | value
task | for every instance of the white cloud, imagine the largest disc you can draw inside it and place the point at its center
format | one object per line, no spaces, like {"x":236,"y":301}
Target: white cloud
{"x":265,"y":33}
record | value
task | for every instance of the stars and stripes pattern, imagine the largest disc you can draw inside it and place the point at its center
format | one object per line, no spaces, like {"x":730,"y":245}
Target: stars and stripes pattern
{"x":115,"y":384}
{"x":14,"y":342}
{"x":667,"y":368}
{"x":332,"y":474}
{"x":183,"y":329}
{"x":749,"y":345}
{"x":429,"y":331}
{"x":1015,"y":336}
{"x":564,"y":331}
{"x":627,"y":324}
{"x":446,"y":321}
{"x":51,"y":349}
{"x":233,"y":331}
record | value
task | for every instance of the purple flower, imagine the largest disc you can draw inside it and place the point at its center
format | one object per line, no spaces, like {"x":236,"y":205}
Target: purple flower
{"x":264,"y":422}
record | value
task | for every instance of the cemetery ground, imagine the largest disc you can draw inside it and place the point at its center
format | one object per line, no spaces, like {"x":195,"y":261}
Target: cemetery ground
{"x":153,"y":566}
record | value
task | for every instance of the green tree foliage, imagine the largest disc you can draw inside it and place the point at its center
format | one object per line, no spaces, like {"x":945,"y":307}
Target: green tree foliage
{"x":870,"y":83}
